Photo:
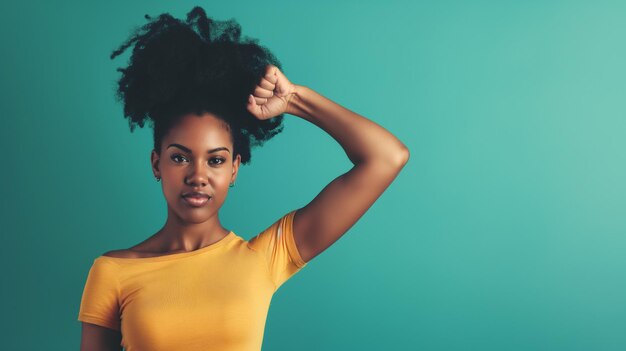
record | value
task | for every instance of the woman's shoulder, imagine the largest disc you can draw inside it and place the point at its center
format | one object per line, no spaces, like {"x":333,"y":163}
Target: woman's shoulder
{"x":137,"y":251}
{"x":122,"y":253}
{"x":140,"y":250}
{"x":143,"y":249}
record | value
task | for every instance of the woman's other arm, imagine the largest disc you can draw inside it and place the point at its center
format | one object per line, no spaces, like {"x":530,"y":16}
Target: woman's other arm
{"x":98,"y":338}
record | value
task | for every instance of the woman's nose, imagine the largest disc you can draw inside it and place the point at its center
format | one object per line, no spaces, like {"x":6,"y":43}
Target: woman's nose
{"x":198,"y":175}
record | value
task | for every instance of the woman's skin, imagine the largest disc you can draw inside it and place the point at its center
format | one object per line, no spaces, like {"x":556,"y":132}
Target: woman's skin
{"x":377,"y":155}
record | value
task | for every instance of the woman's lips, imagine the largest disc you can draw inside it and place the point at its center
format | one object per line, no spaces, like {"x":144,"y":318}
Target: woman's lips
{"x":196,"y":201}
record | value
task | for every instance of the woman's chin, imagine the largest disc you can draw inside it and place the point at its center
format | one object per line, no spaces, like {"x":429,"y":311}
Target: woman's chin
{"x":194,"y":217}
{"x":193,"y":213}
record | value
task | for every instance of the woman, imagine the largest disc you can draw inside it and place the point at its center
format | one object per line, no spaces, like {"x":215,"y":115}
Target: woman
{"x":210,"y":96}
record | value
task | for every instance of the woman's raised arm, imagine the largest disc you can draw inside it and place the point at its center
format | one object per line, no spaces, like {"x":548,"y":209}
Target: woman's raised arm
{"x":378,"y":156}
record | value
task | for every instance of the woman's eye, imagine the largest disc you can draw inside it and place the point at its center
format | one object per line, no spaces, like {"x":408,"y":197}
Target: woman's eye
{"x":219,"y":159}
{"x":176,"y":156}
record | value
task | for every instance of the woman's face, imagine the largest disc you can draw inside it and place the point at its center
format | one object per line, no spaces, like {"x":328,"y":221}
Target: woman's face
{"x":196,"y":156}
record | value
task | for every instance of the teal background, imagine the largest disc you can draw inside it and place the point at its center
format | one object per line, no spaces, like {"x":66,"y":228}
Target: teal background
{"x":505,"y":230}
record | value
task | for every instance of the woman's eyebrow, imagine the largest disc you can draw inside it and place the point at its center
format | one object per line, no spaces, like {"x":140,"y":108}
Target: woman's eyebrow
{"x":186,"y":149}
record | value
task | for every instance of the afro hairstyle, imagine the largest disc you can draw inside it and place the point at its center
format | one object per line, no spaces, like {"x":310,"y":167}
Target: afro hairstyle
{"x":193,"y":66}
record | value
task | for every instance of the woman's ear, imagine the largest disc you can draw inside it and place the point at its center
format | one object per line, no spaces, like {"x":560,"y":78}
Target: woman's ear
{"x":154,"y":161}
{"x":236,"y":164}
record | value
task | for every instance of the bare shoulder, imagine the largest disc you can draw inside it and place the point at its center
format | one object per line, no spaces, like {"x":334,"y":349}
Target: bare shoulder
{"x":122,"y":253}
{"x":140,"y":250}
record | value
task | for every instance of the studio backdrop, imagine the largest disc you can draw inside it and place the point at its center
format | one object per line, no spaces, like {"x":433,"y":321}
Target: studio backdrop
{"x":505,"y":230}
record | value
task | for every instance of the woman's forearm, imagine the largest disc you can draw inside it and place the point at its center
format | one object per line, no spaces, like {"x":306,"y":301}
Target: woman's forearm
{"x":362,"y":139}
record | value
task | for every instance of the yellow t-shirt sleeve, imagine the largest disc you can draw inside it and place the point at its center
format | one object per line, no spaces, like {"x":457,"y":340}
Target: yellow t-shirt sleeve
{"x":277,"y":245}
{"x":100,"y":303}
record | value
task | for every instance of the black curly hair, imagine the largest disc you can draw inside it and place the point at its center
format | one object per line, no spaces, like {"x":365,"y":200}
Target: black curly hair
{"x":198,"y":65}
